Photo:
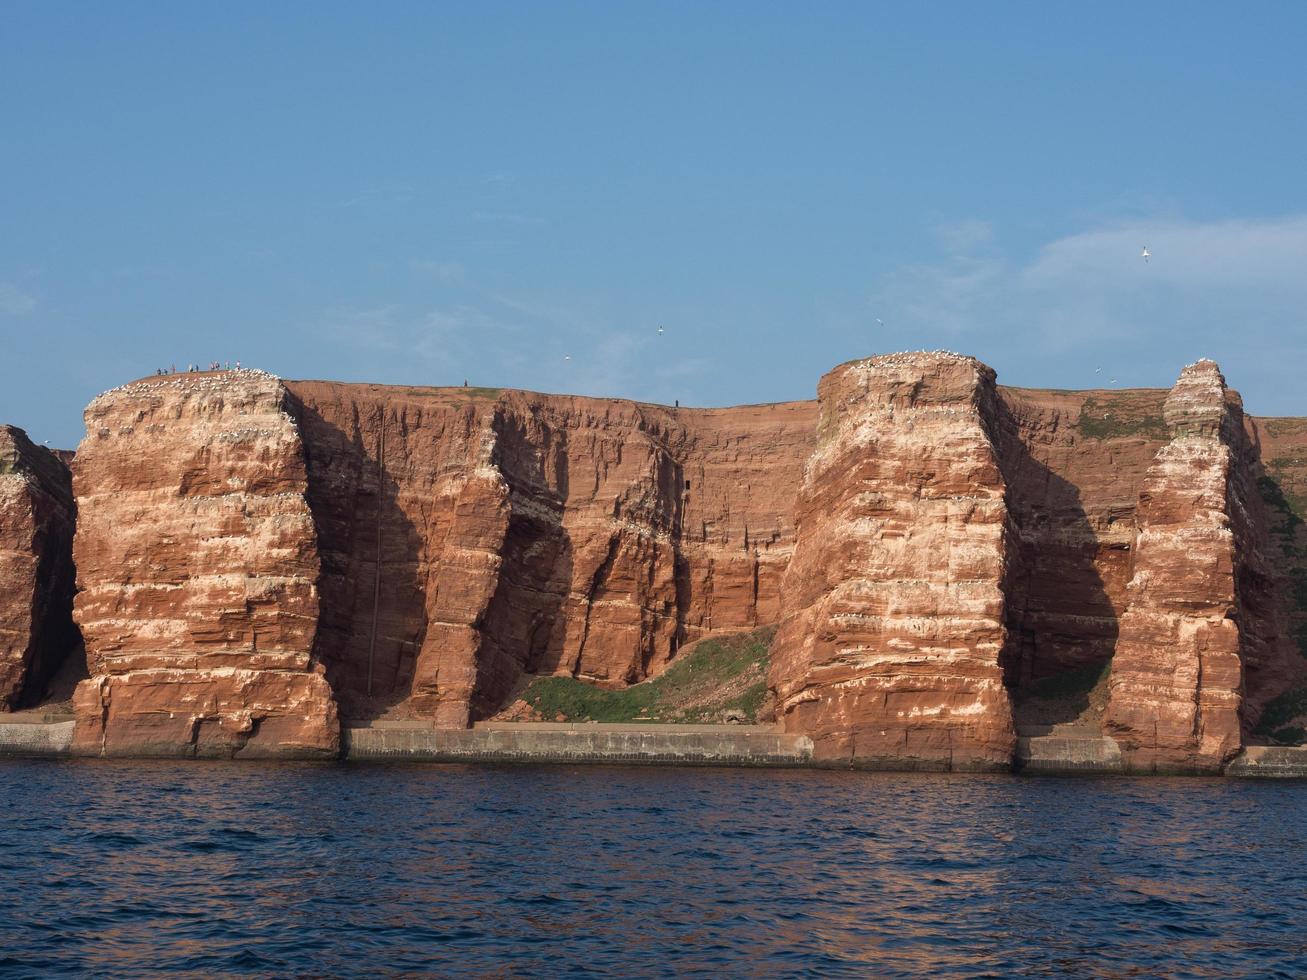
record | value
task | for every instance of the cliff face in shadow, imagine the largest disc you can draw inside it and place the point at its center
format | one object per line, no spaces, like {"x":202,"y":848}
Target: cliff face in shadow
{"x":37,"y":516}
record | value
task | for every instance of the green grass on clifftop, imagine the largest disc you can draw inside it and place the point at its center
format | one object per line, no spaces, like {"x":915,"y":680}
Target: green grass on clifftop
{"x":717,"y":676}
{"x":1121,"y":417}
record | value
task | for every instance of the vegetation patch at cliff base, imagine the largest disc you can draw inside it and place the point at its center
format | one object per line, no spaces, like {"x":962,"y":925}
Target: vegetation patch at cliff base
{"x":1077,"y":696}
{"x":718,"y":678}
{"x":1282,"y":717}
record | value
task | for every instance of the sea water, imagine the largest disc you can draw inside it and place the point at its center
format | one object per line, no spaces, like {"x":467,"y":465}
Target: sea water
{"x":239,"y":869}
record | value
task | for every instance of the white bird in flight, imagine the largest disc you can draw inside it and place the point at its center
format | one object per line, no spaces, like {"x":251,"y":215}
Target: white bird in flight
{"x":1098,"y":370}
{"x":880,"y":321}
{"x":660,"y":331}
{"x":1145,"y":253}
{"x":567,"y":357}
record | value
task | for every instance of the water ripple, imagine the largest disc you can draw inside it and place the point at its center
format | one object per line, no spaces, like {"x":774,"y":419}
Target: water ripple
{"x":124,"y":869}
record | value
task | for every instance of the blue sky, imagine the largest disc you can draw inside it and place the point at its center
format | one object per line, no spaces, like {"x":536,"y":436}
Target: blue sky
{"x":423,"y":193}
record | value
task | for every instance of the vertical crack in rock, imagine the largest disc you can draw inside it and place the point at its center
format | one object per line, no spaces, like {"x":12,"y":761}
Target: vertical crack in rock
{"x":1203,"y":615}
{"x":527,"y":534}
{"x":37,"y":515}
{"x":197,"y":564}
{"x":890,"y":649}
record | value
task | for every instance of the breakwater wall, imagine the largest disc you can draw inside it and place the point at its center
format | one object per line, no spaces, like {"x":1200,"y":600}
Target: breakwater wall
{"x":668,"y":745}
{"x":28,"y":739}
{"x":691,"y":745}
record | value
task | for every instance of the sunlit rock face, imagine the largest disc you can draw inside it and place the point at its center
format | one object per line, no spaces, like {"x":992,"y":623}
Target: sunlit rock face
{"x":524,"y":533}
{"x":890,"y":647}
{"x":1203,"y":609}
{"x":197,"y":565}
{"x":254,"y":553}
{"x":36,"y":569}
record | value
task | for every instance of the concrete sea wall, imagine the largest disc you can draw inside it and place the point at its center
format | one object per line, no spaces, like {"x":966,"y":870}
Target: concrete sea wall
{"x":28,"y":739}
{"x":693,"y":745}
{"x":739,"y":746}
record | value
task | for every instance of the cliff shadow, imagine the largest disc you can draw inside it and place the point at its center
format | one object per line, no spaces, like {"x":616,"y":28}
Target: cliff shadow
{"x":58,"y":656}
{"x":524,"y":629}
{"x":1061,"y":619}
{"x":372,"y":594}
{"x":1273,"y":595}
{"x":548,"y":610}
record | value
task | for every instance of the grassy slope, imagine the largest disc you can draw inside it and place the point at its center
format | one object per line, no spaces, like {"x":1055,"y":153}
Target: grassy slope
{"x":716,"y":676}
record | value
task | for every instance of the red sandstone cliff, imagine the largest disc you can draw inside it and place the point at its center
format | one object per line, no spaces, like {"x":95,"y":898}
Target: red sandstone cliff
{"x":197,"y":567}
{"x":1202,"y":612}
{"x":524,"y":533}
{"x":1074,"y":463}
{"x":252,"y":552}
{"x":890,"y":650}
{"x":36,"y":571}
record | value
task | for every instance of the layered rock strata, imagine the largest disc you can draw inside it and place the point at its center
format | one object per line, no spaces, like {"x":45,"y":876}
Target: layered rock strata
{"x":892,"y":639}
{"x":197,"y":566}
{"x":253,"y":552}
{"x":1202,"y":611}
{"x":470,"y":537}
{"x":36,"y":570}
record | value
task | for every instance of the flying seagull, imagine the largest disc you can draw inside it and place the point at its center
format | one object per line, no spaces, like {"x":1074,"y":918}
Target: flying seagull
{"x":660,"y":331}
{"x":1098,"y":370}
{"x":880,"y":321}
{"x":567,"y":357}
{"x":1145,"y":253}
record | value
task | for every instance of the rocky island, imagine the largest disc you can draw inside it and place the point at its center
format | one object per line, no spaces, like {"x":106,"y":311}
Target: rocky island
{"x":947,"y":574}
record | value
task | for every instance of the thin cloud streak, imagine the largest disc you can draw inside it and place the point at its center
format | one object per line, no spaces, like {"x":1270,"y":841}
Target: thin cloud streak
{"x":14,"y":301}
{"x":1219,"y":289}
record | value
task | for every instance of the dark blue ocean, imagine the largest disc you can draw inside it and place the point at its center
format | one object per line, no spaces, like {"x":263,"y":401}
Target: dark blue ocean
{"x":230,"y":869}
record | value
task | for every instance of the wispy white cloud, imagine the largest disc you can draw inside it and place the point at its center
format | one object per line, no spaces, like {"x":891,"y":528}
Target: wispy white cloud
{"x":443,"y":271}
{"x":420,"y":340}
{"x":542,"y":341}
{"x":380,"y":193}
{"x":965,"y":236}
{"x":14,"y":301}
{"x":1204,"y":282}
{"x":1190,"y":255}
{"x":506,"y":218}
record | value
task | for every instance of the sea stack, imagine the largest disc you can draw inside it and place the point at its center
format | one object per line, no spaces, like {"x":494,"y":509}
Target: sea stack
{"x":890,"y":647}
{"x":197,"y":568}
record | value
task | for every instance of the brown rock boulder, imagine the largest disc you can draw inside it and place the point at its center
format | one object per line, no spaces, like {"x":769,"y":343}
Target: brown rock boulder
{"x":36,"y":569}
{"x":889,"y":653}
{"x":197,"y":564}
